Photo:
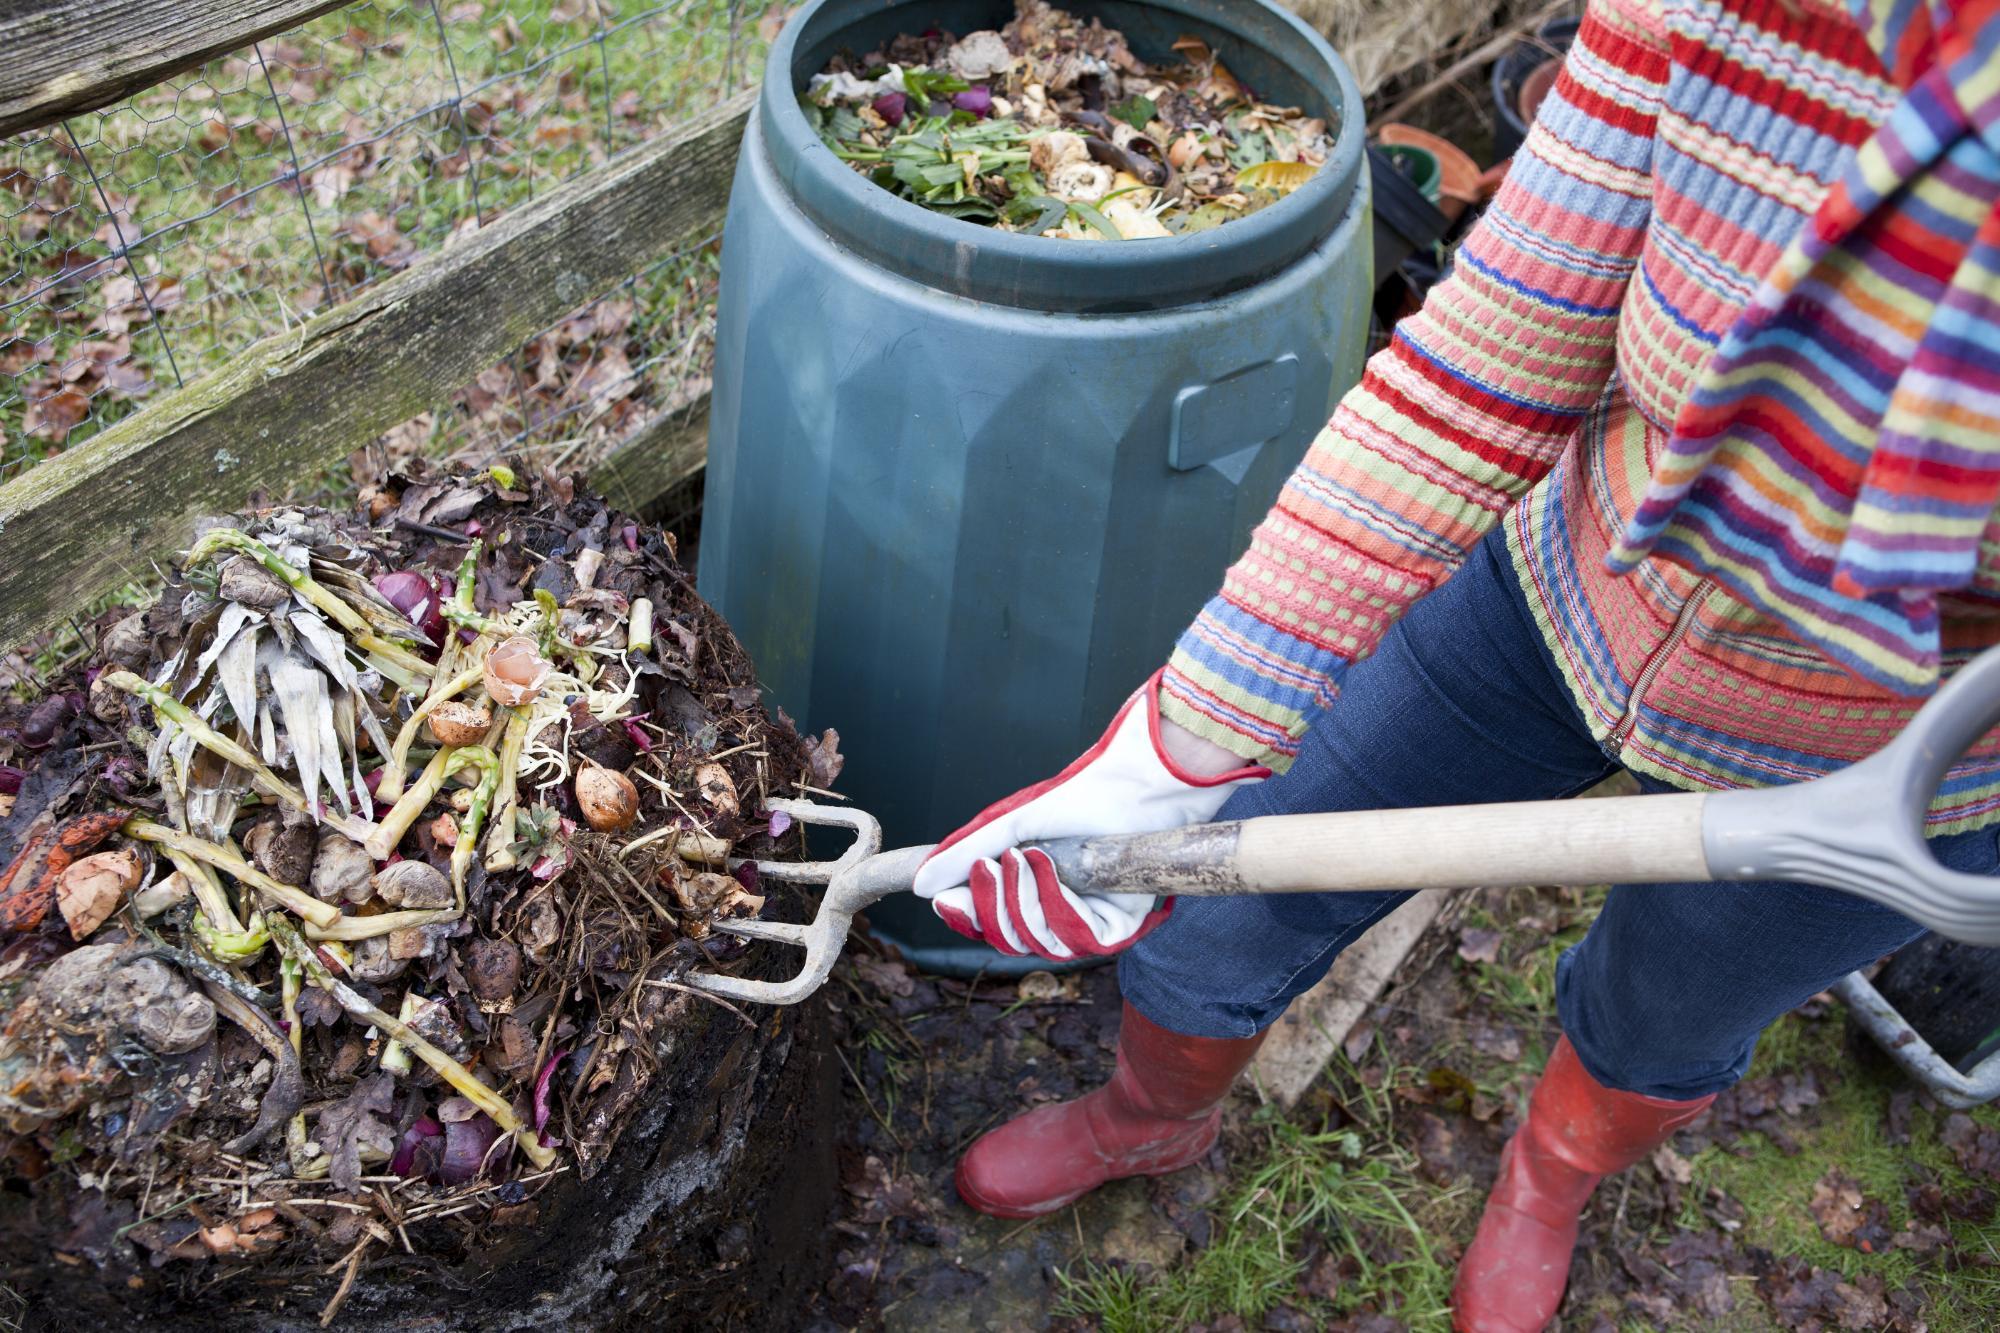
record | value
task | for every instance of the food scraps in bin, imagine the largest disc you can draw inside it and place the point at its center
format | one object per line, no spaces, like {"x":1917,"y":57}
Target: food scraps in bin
{"x":1051,"y":126}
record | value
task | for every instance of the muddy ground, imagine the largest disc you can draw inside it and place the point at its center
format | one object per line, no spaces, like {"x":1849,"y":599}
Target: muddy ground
{"x":1821,"y":1193}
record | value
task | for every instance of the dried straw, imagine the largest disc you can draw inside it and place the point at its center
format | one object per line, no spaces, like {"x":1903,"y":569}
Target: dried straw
{"x":1383,"y":40}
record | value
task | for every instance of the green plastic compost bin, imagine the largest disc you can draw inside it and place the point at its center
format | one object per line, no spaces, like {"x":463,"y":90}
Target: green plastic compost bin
{"x":966,"y":486}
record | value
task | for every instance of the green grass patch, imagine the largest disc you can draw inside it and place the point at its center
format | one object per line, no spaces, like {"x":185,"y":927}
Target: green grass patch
{"x":1352,"y":1191}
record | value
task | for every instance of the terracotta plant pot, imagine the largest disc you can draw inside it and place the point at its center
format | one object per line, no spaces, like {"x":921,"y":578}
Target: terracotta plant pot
{"x":1458,"y":185}
{"x":1536,"y":87}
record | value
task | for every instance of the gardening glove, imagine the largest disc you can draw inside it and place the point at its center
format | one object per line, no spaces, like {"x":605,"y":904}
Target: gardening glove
{"x":986,"y":886}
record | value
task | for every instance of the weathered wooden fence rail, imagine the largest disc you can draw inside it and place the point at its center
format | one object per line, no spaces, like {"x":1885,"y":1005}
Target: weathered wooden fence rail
{"x":59,"y":57}
{"x":88,"y":520}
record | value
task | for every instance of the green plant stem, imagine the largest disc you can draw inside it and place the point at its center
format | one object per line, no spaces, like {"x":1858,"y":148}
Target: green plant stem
{"x":450,"y":1070}
{"x":459,"y":610}
{"x":500,"y":842}
{"x":318,"y":594}
{"x":208,"y":893}
{"x":261,"y":775}
{"x":233,"y":864}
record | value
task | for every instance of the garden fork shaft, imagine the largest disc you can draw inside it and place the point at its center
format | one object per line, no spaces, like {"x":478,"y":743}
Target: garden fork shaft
{"x":1860,"y":830}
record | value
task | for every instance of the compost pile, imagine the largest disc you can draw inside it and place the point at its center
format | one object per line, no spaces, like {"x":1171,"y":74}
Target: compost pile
{"x":1051,"y":126}
{"x":352,"y":878}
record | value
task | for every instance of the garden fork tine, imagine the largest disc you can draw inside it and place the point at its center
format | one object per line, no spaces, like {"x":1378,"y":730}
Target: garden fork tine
{"x":860,"y":877}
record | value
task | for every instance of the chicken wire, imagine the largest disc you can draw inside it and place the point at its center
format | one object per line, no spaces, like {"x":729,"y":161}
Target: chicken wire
{"x":149,"y":242}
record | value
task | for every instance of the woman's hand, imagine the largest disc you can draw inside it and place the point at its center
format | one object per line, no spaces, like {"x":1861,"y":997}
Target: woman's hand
{"x":1145,"y":774}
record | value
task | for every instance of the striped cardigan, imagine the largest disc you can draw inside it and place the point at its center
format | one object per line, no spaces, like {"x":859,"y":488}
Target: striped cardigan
{"x":1684,"y":144}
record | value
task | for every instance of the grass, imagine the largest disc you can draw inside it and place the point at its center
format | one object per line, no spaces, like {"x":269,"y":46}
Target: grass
{"x":1352,"y":1192}
{"x":268,"y":184}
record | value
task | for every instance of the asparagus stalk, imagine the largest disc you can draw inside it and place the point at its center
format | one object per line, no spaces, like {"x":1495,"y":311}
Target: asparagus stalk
{"x":315,"y":592}
{"x":639,"y":627}
{"x":459,"y":610}
{"x":225,"y":859}
{"x":500,"y":842}
{"x":208,"y":893}
{"x":262,"y":777}
{"x":382,"y":839}
{"x":454,"y":1073}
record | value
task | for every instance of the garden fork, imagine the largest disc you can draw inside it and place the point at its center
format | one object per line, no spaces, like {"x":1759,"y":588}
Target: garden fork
{"x":1860,"y":830}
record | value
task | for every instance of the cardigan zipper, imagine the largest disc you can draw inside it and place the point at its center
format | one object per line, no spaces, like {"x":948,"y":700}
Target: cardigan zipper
{"x":1683,"y":622}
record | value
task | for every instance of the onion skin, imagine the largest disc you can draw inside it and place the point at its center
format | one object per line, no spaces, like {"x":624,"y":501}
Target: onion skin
{"x":543,"y":1083}
{"x":45,"y":723}
{"x":892,"y":107}
{"x":977,"y":100}
{"x":420,"y":1134}
{"x":467,"y":1147}
{"x":417,"y":596}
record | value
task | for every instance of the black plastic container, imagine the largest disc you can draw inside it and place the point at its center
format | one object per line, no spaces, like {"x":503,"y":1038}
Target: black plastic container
{"x":1510,"y":128}
{"x":1405,"y":221}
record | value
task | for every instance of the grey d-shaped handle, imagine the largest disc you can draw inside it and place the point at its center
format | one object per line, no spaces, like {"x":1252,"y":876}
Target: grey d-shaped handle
{"x":1862,"y":829}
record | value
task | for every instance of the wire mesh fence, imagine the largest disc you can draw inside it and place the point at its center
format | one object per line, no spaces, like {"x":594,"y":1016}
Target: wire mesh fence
{"x":149,"y":242}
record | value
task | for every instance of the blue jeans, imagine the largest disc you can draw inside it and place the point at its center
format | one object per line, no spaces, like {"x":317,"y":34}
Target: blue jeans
{"x":1462,"y":703}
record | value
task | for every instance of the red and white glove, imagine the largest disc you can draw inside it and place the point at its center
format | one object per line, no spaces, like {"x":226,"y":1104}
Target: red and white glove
{"x":985,"y":885}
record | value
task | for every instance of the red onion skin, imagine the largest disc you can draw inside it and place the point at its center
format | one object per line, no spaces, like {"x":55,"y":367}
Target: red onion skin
{"x":466,"y":1147}
{"x":404,"y":1161}
{"x":892,"y":107}
{"x":11,"y":779}
{"x":45,"y":723}
{"x":977,"y":100}
{"x":543,"y":1082}
{"x":417,"y":596}
{"x":631,"y":536}
{"x":780,"y":821}
{"x":746,"y":875}
{"x":473,"y":527}
{"x":637,"y":735}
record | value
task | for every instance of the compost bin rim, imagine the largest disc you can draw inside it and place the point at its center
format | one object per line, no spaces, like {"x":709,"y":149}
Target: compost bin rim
{"x":1007,"y":268}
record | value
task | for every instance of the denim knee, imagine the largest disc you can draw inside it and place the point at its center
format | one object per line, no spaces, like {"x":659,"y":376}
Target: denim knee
{"x":1228,"y":967}
{"x":1668,"y":993}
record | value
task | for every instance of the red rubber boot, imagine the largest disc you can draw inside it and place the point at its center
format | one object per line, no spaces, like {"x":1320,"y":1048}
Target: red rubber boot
{"x":1577,"y":1132}
{"x":1160,"y":1112}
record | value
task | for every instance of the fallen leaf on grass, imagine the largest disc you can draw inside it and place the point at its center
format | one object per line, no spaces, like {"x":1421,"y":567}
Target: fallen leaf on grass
{"x":1478,"y":944}
{"x":1435,"y":1149}
{"x":1846,"y":1217}
{"x":1502,"y":1042}
{"x":53,"y":417}
{"x":1672,"y":1166}
{"x":1976,"y":1149}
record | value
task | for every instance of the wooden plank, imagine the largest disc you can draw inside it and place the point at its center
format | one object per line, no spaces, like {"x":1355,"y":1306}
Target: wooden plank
{"x":89,"y":519}
{"x":66,"y":56}
{"x":656,"y":458}
{"x":1303,"y":1040}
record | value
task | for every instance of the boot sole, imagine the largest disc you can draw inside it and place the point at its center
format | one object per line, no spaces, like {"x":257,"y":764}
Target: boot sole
{"x":1020,"y":1212}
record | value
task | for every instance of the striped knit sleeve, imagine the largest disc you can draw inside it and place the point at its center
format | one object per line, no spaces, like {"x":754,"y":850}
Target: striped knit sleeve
{"x":1471,"y":403}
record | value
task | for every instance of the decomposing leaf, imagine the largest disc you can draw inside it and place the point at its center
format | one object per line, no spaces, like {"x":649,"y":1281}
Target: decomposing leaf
{"x":358,"y":1121}
{"x":1478,"y":944}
